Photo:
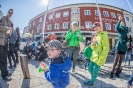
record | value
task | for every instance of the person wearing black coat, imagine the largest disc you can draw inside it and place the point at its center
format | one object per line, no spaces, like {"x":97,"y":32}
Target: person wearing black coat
{"x":27,"y":50}
{"x":17,"y":45}
{"x":43,"y":52}
{"x":12,"y":41}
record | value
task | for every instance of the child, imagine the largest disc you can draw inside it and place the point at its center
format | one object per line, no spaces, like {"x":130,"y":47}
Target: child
{"x":100,"y":49}
{"x":60,"y":65}
{"x":87,"y":54}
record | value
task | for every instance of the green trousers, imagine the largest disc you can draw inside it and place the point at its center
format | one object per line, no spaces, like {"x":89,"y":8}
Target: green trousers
{"x":93,"y":69}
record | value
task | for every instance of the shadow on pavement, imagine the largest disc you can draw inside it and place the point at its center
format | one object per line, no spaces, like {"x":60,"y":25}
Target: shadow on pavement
{"x":98,"y":83}
{"x":3,"y":83}
{"x":26,"y":83}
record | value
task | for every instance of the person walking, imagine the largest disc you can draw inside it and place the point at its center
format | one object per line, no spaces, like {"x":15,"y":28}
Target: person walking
{"x":12,"y":41}
{"x":17,"y":45}
{"x":6,"y":26}
{"x":73,"y":37}
{"x":121,"y":46}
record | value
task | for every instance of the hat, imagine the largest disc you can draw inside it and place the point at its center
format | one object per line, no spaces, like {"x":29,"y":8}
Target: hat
{"x":75,"y":23}
{"x":96,"y":24}
{"x":55,"y":43}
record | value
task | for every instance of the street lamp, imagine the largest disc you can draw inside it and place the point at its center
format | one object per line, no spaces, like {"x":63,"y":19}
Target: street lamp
{"x":99,"y":13}
{"x":44,"y":21}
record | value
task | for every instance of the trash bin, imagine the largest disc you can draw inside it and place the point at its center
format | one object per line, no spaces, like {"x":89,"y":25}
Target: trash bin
{"x":24,"y":66}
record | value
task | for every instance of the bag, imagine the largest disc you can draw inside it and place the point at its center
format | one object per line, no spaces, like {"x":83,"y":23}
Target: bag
{"x":81,"y":47}
{"x":65,"y":44}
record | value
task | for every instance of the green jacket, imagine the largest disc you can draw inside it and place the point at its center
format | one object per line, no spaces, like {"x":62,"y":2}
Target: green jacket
{"x":88,"y":52}
{"x":122,"y":37}
{"x":73,"y":39}
{"x":100,"y":51}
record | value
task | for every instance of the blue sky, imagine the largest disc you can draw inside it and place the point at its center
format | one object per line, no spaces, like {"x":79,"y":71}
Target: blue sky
{"x":25,"y":10}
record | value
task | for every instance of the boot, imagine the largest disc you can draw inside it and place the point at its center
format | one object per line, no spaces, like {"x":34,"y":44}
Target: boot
{"x":111,"y":75}
{"x":117,"y":73}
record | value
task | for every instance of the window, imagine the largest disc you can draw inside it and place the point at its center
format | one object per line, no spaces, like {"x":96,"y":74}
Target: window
{"x":75,"y":11}
{"x":113,"y":15}
{"x":108,"y":26}
{"x":127,"y":18}
{"x":118,"y":15}
{"x":132,"y":20}
{"x":105,"y":13}
{"x":34,"y":23}
{"x":30,"y":25}
{"x":96,"y":12}
{"x":57,"y":15}
{"x":87,"y":12}
{"x":129,"y":29}
{"x":114,"y":27}
{"x":56,"y":26}
{"x":32,"y":31}
{"x":88,"y":24}
{"x":65,"y":14}
{"x":65,"y":25}
{"x":50,"y":27}
{"x":40,"y":19}
{"x":50,"y":16}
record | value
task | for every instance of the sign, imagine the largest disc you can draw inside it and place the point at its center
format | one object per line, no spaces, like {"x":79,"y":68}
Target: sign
{"x":106,"y":20}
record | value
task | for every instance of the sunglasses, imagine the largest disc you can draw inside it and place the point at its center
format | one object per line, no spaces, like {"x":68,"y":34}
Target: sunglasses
{"x":10,"y":12}
{"x":50,"y":50}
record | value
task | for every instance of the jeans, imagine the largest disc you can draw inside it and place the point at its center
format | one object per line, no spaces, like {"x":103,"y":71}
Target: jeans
{"x":130,"y":80}
{"x":93,"y":69}
{"x":74,"y":52}
{"x":3,"y":61}
{"x":11,"y":54}
{"x":128,"y":56}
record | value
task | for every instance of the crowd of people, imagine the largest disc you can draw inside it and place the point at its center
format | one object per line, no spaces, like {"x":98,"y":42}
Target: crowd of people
{"x":63,"y":58}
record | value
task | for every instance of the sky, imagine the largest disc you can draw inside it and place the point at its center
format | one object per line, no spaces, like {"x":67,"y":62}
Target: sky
{"x":25,"y":10}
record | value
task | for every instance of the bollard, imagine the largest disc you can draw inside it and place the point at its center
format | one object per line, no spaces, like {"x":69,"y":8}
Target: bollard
{"x":24,"y":66}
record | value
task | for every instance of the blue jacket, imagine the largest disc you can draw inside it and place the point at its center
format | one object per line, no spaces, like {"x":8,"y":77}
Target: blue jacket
{"x":13,"y":37}
{"x":58,"y":74}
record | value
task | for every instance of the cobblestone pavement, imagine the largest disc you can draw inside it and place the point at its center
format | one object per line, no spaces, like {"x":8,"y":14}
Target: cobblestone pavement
{"x":37,"y":80}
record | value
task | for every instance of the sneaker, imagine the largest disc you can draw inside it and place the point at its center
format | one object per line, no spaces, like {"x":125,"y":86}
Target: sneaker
{"x":74,"y":71}
{"x":9,"y":74}
{"x":14,"y":66}
{"x":88,"y":83}
{"x":11,"y":67}
{"x":111,"y":75}
{"x":117,"y":74}
{"x":7,"y":78}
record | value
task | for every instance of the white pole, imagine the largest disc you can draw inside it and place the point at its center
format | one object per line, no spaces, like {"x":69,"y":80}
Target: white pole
{"x":130,"y":5}
{"x":99,"y":13}
{"x":44,"y":21}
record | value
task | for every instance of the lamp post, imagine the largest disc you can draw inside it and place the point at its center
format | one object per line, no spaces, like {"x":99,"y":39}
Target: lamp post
{"x":44,"y":21}
{"x":99,"y":13}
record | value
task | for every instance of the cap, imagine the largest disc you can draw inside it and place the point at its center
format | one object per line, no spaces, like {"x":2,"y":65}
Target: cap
{"x":55,"y":43}
{"x":75,"y":23}
{"x":96,"y":24}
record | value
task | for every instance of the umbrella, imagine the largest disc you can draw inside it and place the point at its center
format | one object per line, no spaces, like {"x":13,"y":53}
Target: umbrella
{"x":27,"y":35}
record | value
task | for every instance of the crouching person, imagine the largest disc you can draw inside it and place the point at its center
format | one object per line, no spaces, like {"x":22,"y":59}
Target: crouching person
{"x":58,"y":73}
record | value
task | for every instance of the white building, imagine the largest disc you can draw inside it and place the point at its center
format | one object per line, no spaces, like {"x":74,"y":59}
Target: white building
{"x":129,"y":21}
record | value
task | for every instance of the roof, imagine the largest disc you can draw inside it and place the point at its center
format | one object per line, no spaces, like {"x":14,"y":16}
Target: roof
{"x":80,"y":4}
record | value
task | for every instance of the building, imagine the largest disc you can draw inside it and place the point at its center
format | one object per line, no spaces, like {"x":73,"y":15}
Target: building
{"x":1,"y":14}
{"x":59,"y":20}
{"x":26,"y":30}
